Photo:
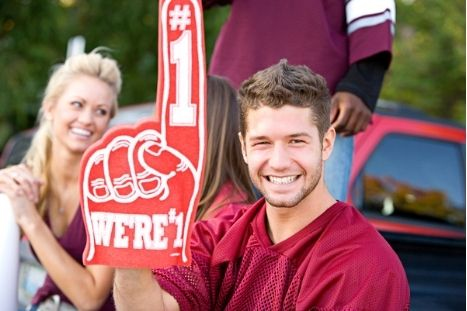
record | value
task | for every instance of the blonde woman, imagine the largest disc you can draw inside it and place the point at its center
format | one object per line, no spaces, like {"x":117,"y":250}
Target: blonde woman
{"x":78,"y":103}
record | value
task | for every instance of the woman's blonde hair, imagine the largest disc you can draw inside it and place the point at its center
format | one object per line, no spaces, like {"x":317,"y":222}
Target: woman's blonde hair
{"x":224,"y":161}
{"x":92,"y":64}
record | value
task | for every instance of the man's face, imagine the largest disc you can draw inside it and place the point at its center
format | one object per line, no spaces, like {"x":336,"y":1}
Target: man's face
{"x":284,"y":153}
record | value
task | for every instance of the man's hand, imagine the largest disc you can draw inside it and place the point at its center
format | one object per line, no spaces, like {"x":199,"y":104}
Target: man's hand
{"x":349,"y":115}
{"x":137,"y":287}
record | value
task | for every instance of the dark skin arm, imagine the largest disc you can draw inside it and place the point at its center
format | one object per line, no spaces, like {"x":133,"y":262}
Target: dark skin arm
{"x":349,"y":115}
{"x":357,"y":93}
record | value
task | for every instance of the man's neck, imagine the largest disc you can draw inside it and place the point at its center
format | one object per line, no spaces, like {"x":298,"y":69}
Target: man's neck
{"x":284,"y":222}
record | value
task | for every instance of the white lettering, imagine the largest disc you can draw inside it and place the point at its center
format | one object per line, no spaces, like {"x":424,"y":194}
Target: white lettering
{"x":183,"y":112}
{"x":159,"y":222}
{"x":102,"y":227}
{"x":142,"y":232}
{"x":149,"y":231}
{"x":178,"y":242}
{"x":121,"y":221}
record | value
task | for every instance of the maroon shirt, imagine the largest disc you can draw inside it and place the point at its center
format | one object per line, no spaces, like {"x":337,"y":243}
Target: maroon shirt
{"x":337,"y":262}
{"x":258,"y":33}
{"x":73,"y":241}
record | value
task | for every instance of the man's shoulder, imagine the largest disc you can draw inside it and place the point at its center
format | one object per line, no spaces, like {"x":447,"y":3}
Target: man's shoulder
{"x":350,"y":251}
{"x":358,"y":240}
{"x":232,"y":227}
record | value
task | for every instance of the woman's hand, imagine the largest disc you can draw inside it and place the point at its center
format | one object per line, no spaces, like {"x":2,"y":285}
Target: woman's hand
{"x":18,"y":180}
{"x":22,"y":188}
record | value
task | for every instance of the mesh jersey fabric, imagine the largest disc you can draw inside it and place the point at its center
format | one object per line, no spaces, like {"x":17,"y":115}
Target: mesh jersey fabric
{"x":337,"y":262}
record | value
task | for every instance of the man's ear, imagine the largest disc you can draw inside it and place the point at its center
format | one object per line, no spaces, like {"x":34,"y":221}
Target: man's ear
{"x":328,"y":143}
{"x":242,"y":144}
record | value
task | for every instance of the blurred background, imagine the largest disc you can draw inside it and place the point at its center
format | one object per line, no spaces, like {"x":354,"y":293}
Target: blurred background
{"x":427,"y":72}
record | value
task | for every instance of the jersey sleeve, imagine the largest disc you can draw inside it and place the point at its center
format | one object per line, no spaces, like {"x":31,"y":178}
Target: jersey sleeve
{"x":190,"y":286}
{"x":194,"y":287}
{"x":370,"y":27}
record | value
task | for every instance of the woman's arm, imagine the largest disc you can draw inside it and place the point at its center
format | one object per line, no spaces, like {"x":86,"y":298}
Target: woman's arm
{"x":86,"y":287}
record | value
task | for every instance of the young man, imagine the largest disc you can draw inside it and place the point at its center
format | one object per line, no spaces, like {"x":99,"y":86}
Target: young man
{"x":296,"y":249}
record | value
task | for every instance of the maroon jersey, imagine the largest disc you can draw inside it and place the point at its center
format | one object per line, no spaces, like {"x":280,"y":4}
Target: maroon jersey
{"x":325,"y":35}
{"x":337,"y":262}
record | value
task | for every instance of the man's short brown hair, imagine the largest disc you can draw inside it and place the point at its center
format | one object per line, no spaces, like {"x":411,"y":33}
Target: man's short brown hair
{"x":283,"y":84}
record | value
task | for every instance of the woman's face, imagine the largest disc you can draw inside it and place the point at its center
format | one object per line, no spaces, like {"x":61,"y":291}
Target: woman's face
{"x":81,"y":114}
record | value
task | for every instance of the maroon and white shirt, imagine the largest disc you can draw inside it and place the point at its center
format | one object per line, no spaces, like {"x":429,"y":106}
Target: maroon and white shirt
{"x":325,"y":35}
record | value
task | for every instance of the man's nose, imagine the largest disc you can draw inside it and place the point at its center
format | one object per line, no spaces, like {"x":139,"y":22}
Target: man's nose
{"x":280,"y":157}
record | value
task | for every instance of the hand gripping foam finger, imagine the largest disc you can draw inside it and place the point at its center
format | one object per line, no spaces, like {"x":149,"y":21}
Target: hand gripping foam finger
{"x":140,"y":185}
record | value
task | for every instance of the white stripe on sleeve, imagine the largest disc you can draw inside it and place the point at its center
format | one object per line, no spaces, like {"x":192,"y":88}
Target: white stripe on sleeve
{"x":370,"y":21}
{"x":365,"y":13}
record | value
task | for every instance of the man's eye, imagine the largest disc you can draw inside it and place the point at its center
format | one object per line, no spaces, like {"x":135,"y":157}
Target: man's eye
{"x":297,"y":141}
{"x":259,"y":143}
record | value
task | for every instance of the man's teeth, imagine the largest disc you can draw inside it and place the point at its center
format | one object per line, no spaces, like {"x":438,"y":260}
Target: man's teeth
{"x":81,"y":132}
{"x":282,"y":180}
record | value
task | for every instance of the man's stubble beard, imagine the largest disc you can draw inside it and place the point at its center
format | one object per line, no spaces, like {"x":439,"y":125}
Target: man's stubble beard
{"x":300,"y":196}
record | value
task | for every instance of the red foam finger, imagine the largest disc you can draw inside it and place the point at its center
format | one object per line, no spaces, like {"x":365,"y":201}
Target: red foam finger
{"x":140,"y":185}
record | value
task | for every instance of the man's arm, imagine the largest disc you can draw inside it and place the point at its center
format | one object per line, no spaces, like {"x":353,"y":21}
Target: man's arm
{"x":137,"y":289}
{"x":357,"y":93}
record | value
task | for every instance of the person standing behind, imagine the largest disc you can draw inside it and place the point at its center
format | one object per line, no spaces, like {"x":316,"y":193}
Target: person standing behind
{"x":297,"y":248}
{"x":226,"y":185}
{"x":78,"y":103}
{"x":347,"y":41}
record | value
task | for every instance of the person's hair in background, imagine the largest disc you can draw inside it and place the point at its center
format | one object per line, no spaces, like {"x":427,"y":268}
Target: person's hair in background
{"x":93,"y":64}
{"x":224,"y":161}
{"x":276,"y":87}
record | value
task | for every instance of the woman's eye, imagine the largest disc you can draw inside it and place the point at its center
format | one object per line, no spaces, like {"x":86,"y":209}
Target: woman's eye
{"x":102,"y":112}
{"x":76,"y":103}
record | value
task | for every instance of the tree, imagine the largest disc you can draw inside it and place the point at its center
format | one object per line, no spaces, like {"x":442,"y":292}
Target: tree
{"x":428,"y":69}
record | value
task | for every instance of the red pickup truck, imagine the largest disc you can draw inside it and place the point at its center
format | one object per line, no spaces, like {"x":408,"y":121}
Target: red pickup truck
{"x":408,"y":179}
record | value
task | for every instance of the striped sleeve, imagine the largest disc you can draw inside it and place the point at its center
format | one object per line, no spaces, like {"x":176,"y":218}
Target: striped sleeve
{"x":364,"y":13}
{"x":370,"y":27}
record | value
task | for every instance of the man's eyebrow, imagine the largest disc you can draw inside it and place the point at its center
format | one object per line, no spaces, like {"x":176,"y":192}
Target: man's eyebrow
{"x":299,"y":135}
{"x":294,"y":135}
{"x":262,"y":137}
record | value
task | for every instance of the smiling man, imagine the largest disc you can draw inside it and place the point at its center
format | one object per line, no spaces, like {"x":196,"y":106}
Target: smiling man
{"x":296,"y":249}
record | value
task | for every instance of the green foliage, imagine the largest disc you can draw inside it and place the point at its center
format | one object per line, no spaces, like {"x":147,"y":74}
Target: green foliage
{"x":428,"y":68}
{"x":34,"y":36}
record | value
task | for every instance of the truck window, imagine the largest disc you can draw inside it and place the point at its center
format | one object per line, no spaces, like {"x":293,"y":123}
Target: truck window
{"x":414,"y":177}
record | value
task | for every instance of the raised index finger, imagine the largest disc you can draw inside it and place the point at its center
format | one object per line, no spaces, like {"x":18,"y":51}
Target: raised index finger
{"x":181,"y":80}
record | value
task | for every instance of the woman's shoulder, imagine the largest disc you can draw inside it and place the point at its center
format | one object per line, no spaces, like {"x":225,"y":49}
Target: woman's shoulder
{"x":229,"y":200}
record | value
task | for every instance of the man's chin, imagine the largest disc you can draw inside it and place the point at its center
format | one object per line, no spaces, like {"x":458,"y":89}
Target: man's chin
{"x":282,"y":202}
